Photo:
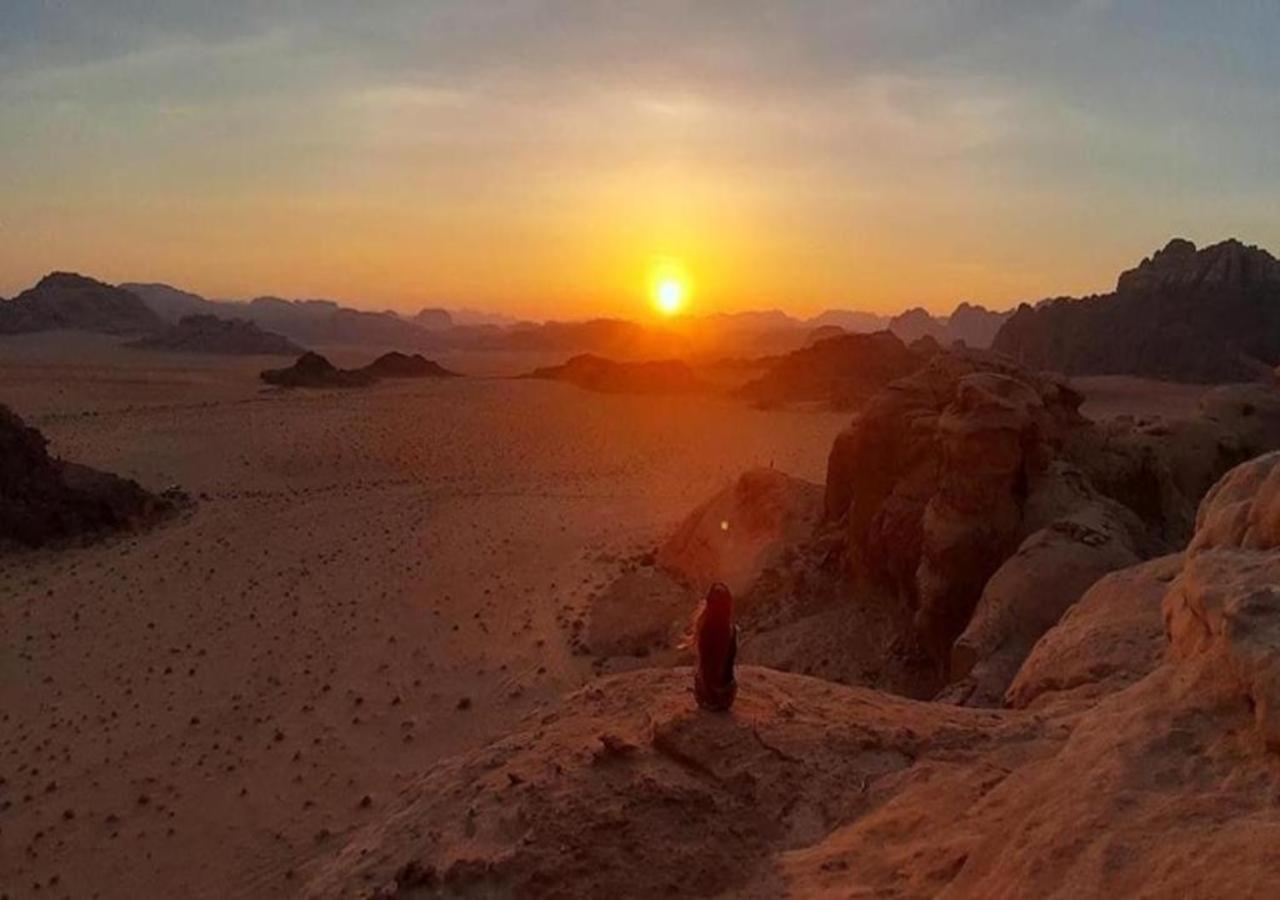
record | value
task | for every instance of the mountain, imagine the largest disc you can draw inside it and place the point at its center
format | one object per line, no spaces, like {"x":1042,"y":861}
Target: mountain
{"x":850,"y":320}
{"x":210,"y":334}
{"x":916,"y":323}
{"x":171,"y":303}
{"x":975,"y":325}
{"x":434,"y":319}
{"x":839,"y":371}
{"x":1210,"y":315}
{"x":66,"y":301}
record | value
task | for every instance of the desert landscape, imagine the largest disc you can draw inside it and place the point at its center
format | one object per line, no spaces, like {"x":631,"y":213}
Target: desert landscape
{"x":388,"y":628}
{"x":685,"y":449}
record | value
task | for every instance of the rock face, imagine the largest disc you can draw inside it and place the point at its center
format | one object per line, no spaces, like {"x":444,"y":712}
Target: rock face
{"x":1132,"y":765}
{"x":738,"y":533}
{"x":210,"y":334}
{"x":974,"y":495}
{"x":313,"y":370}
{"x":932,"y":480}
{"x":400,"y":365}
{"x":1224,"y":606}
{"x":1210,"y":315}
{"x":44,"y":499}
{"x":596,"y":373}
{"x":840,"y":372}
{"x":65,"y":301}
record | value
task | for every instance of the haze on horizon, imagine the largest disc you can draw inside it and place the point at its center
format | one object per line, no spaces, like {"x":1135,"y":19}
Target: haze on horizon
{"x":544,"y":158}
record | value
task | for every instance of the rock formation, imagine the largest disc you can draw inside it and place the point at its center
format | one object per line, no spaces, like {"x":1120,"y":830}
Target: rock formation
{"x":915,"y":323}
{"x":65,"y":301}
{"x":44,"y":499}
{"x":400,"y":365}
{"x":741,"y":531}
{"x":840,"y":372}
{"x":1210,"y":315}
{"x":313,"y":370}
{"x":210,"y":334}
{"x":973,"y":494}
{"x":1131,"y":763}
{"x":974,"y":325}
{"x":607,"y":376}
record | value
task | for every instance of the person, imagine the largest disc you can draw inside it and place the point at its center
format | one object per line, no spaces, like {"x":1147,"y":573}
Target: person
{"x":715,"y":644}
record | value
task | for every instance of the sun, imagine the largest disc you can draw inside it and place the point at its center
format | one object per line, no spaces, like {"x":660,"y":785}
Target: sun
{"x":668,"y":287}
{"x":668,"y":295}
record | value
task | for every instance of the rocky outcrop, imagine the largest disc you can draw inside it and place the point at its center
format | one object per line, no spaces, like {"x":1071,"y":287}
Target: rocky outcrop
{"x":931,"y":480}
{"x":741,"y":531}
{"x":1210,"y":315}
{"x":840,"y":372}
{"x":65,"y":301}
{"x":210,"y":334}
{"x":1112,"y":637}
{"x":595,"y":373}
{"x":974,"y":495}
{"x":314,"y":371}
{"x":401,"y":365}
{"x":1224,"y":607}
{"x":1132,"y":764}
{"x":45,"y":499}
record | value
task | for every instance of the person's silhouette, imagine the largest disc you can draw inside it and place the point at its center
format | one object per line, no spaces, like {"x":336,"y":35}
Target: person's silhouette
{"x":715,"y":642}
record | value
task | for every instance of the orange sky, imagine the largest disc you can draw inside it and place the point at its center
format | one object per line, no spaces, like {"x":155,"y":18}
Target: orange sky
{"x":539,"y":159}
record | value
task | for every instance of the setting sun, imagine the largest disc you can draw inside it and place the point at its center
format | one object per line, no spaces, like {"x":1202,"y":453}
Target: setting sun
{"x":669,"y":296}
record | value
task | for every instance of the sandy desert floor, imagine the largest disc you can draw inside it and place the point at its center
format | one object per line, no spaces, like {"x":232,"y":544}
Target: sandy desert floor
{"x":368,"y":581}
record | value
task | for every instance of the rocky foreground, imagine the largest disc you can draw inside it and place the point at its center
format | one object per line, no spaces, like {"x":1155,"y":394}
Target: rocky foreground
{"x":1137,"y":756}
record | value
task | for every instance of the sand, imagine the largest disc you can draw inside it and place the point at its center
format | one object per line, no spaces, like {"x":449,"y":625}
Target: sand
{"x":370,"y":581}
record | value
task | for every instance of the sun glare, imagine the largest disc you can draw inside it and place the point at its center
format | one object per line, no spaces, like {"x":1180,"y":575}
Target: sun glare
{"x":669,"y":296}
{"x":670,"y":288}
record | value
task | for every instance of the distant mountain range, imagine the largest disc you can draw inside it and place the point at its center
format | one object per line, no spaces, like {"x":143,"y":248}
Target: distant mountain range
{"x":67,"y":301}
{"x":1183,"y":314}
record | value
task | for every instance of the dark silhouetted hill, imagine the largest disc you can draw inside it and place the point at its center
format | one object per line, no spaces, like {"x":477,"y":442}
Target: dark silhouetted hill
{"x":210,"y":334}
{"x":607,"y":376}
{"x":66,"y":301}
{"x":400,"y":365}
{"x":1210,"y":315}
{"x":839,"y":371}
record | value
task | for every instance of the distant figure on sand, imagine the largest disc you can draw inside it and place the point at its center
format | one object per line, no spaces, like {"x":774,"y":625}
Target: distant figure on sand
{"x":715,"y":642}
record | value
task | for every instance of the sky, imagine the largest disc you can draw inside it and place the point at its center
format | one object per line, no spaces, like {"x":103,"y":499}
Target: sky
{"x":545,"y":158}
